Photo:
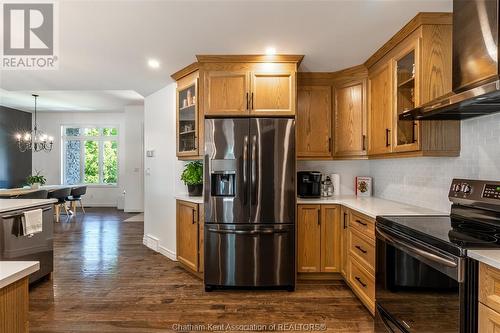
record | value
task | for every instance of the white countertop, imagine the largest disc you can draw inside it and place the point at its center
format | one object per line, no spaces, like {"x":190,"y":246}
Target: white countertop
{"x":185,"y":197}
{"x":12,"y":271}
{"x":7,"y":205}
{"x":489,"y":257}
{"x":372,"y":206}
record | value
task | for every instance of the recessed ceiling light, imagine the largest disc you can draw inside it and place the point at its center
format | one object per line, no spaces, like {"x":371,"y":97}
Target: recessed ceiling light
{"x":153,"y":63}
{"x":270,"y":51}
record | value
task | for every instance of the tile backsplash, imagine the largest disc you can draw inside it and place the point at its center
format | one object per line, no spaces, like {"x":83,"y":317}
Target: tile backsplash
{"x":424,"y":181}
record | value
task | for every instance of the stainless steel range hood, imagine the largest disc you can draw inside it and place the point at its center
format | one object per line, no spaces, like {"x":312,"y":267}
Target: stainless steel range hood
{"x":476,"y":79}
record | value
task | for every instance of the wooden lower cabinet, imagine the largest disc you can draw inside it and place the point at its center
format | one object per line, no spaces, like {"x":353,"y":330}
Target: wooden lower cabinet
{"x":318,"y":239}
{"x":344,"y":247}
{"x":489,"y":299}
{"x":360,"y":261}
{"x":14,"y":303}
{"x":190,"y":235}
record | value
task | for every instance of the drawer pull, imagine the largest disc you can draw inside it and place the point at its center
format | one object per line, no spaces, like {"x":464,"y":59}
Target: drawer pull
{"x":360,"y":282}
{"x":361,"y":249}
{"x":362,"y":223}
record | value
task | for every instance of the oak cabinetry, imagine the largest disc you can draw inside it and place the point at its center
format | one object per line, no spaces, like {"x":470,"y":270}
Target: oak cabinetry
{"x":314,"y":121}
{"x":14,"y":307}
{"x":249,"y":85}
{"x":190,"y":235}
{"x":350,"y":113}
{"x":226,"y":92}
{"x":380,"y":123}
{"x":412,"y":69}
{"x":318,"y":238}
{"x":489,"y":298}
{"x":361,"y":258}
{"x":344,"y":242}
{"x":189,"y":120}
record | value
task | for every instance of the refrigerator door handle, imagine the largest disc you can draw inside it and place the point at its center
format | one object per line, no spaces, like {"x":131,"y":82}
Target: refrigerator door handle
{"x":245,"y":170}
{"x":254,"y":170}
{"x":249,"y":232}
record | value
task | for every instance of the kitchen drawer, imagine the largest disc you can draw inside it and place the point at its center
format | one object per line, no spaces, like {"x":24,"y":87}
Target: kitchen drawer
{"x":489,"y":286}
{"x":363,"y":249}
{"x":488,"y":320}
{"x":362,"y":283}
{"x":363,"y":224}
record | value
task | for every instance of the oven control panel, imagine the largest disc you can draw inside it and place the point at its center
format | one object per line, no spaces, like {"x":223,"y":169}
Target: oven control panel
{"x":491,"y":191}
{"x":471,"y":191}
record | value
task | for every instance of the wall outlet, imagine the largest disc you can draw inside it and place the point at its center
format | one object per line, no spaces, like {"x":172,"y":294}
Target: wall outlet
{"x":150,"y":153}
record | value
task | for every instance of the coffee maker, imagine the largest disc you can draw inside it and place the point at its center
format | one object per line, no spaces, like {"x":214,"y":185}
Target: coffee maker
{"x":309,"y":184}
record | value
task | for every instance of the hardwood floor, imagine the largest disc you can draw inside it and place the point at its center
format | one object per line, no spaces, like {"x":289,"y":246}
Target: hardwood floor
{"x":105,"y":280}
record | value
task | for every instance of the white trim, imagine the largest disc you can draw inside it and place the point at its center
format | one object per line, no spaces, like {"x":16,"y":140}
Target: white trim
{"x":168,"y":253}
{"x":98,"y":205}
{"x":151,"y":242}
{"x":133,"y":210}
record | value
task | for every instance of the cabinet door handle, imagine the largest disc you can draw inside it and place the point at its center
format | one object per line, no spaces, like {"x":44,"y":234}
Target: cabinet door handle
{"x":387,"y":132}
{"x":194,"y":218}
{"x":319,"y":217}
{"x":251,"y":102}
{"x":414,"y":137}
{"x":363,"y":142}
{"x":330,"y":145}
{"x":361,"y":249}
{"x":362,"y":223}
{"x":248,"y":102}
{"x":360,"y":282}
{"x":345,"y":220}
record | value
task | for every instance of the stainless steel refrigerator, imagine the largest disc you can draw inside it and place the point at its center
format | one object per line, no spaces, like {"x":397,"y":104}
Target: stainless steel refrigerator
{"x":249,"y":198}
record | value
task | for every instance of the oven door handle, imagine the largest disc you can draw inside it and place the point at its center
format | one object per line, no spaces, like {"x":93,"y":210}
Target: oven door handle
{"x":249,"y":232}
{"x":413,"y":249}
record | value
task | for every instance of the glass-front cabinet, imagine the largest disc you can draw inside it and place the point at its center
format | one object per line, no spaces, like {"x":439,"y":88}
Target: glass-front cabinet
{"x":187,"y":117}
{"x":405,"y":132}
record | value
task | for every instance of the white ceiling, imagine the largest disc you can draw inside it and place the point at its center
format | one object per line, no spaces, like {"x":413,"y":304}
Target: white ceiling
{"x":104,"y":45}
{"x":73,"y":101}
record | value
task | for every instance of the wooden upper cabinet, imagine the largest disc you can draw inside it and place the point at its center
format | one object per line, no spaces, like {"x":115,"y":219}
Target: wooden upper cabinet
{"x":189,"y":120}
{"x":272,"y":93}
{"x":308,"y":238}
{"x":314,"y":122}
{"x":350,"y":119}
{"x":226,"y":92}
{"x":380,"y":121}
{"x":187,"y":234}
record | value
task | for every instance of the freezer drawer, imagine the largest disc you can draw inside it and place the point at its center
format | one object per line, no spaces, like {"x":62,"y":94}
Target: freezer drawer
{"x":249,"y":256}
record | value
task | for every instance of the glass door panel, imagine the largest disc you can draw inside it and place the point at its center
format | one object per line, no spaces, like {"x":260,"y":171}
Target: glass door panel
{"x":405,"y":98}
{"x":187,"y":120}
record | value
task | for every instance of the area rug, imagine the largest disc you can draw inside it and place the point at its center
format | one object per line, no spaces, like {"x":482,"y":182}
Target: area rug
{"x":136,"y":218}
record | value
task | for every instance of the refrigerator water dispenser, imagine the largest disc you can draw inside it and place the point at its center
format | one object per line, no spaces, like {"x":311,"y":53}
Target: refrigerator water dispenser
{"x":223,"y":184}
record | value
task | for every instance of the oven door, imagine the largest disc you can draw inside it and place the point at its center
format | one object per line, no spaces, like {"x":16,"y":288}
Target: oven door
{"x":418,"y":287}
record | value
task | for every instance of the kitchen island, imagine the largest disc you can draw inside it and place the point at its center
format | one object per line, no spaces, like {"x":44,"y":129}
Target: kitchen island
{"x":14,"y":299}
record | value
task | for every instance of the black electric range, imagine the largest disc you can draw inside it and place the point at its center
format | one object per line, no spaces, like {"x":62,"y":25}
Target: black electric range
{"x":424,"y":280}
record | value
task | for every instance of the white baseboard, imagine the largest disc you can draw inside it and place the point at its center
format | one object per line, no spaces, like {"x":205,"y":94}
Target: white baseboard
{"x":96,"y":205}
{"x":153,"y":243}
{"x":137,"y":210}
{"x":168,"y":253}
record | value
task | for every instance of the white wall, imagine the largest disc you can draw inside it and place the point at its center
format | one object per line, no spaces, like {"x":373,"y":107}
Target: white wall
{"x":162,"y":172}
{"x":50,"y":163}
{"x":133,"y":182}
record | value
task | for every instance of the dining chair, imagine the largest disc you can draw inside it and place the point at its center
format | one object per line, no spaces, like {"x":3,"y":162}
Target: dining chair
{"x":76,"y":196}
{"x":60,"y":195}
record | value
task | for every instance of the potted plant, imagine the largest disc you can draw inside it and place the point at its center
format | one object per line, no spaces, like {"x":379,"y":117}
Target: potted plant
{"x":192,"y":176}
{"x":36,"y":180}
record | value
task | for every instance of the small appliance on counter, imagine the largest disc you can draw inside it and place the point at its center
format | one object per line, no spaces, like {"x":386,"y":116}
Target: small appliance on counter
{"x":327,"y":187}
{"x":335,"y":177}
{"x":309,"y":184}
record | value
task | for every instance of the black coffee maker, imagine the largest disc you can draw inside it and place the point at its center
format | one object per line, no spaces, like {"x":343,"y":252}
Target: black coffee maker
{"x":309,"y":184}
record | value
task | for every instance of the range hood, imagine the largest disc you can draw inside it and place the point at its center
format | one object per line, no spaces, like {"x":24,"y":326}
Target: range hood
{"x":476,"y":77}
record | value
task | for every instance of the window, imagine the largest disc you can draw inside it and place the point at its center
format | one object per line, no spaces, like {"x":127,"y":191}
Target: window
{"x":90,"y":155}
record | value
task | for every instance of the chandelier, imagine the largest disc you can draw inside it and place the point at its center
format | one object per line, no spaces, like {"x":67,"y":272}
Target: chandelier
{"x":34,"y":140}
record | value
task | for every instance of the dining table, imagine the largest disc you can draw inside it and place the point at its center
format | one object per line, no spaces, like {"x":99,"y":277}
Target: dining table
{"x":15,"y":192}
